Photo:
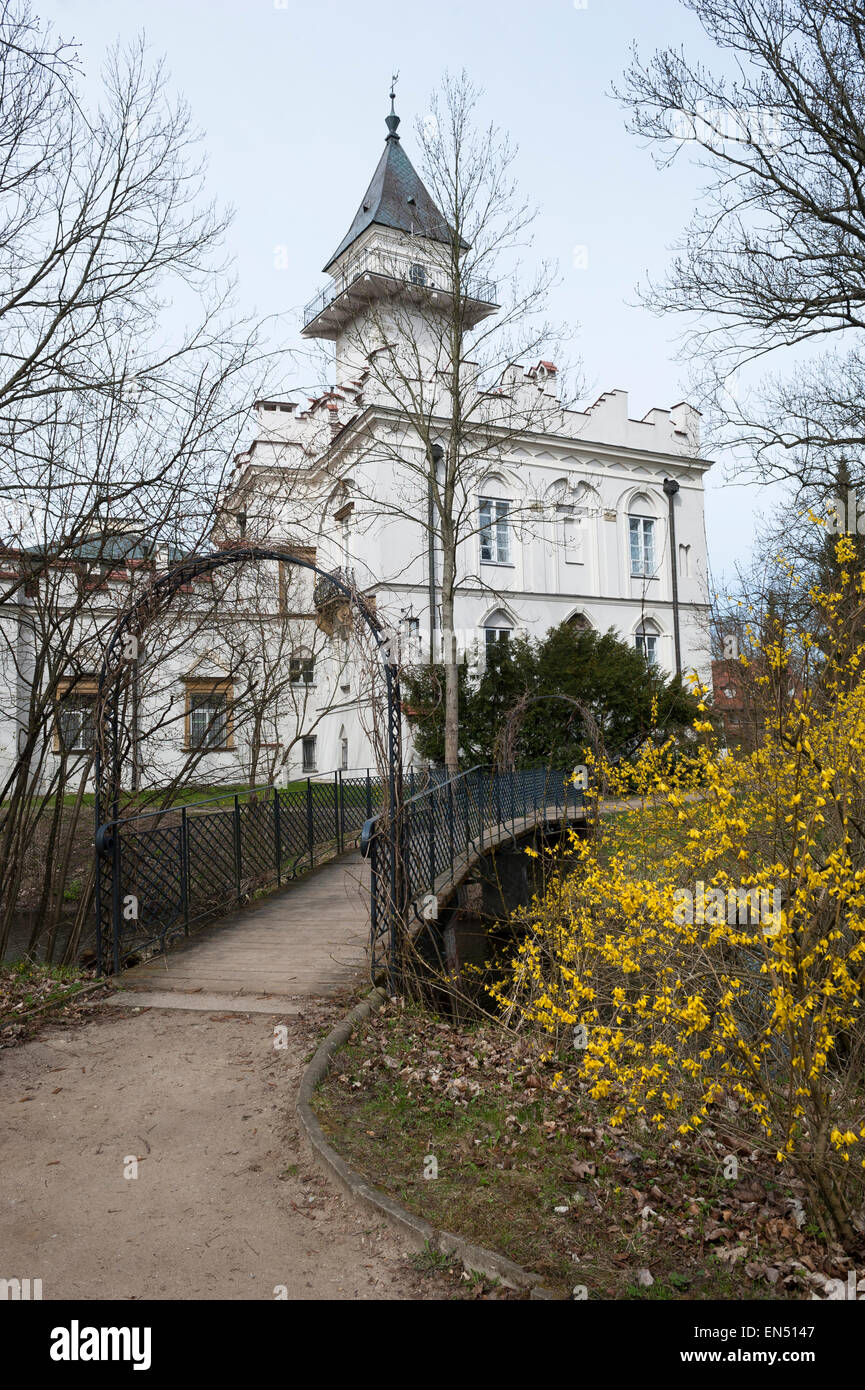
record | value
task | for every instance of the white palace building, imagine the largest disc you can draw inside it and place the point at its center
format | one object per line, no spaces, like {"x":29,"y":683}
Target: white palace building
{"x":565,"y":513}
{"x":562,"y":515}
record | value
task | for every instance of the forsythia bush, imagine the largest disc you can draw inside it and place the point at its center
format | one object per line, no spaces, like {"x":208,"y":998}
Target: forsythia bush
{"x":665,"y":986}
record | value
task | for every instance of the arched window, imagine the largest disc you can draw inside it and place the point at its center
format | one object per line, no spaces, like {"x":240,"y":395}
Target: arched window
{"x":497,"y":630}
{"x":642,"y":538}
{"x":579,"y":622}
{"x":646,"y":641}
{"x":301,"y":668}
{"x":494,"y":523}
{"x":685,"y":561}
{"x":343,"y":748}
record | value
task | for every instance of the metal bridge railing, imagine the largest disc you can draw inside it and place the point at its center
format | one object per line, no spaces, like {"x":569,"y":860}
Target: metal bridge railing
{"x":444,"y":825}
{"x":183,"y":864}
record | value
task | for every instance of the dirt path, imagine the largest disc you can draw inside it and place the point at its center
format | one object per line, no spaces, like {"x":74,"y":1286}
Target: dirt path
{"x":226,"y":1203}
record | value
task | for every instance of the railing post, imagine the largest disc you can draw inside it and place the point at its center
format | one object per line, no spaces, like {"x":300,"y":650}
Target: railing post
{"x":336,"y":800}
{"x":368,"y":796}
{"x":237,"y":844}
{"x":277,"y":833}
{"x":373,"y":904}
{"x":310,"y":831}
{"x":451,"y":822}
{"x":116,"y":894}
{"x":184,"y":869}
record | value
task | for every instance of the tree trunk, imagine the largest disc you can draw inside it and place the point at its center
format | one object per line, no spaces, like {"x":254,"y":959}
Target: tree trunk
{"x":449,"y":659}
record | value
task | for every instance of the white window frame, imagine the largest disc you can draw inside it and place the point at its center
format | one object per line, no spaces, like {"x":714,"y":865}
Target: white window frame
{"x":495,"y":530}
{"x":76,"y":718}
{"x":646,"y":643}
{"x":641,"y":546}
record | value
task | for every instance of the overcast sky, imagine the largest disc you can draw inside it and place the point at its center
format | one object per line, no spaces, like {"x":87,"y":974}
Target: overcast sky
{"x":291,"y":96}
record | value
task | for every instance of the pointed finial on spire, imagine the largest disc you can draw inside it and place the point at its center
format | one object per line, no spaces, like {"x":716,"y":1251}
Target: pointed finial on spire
{"x":392,"y":121}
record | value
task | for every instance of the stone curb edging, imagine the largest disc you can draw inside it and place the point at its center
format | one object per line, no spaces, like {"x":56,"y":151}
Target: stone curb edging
{"x":418,"y":1232}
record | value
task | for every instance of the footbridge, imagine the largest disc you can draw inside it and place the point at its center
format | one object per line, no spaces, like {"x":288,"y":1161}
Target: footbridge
{"x":265,"y":893}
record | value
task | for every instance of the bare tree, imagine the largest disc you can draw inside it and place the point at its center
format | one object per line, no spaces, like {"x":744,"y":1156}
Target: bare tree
{"x":774,"y":258}
{"x":124,"y":383}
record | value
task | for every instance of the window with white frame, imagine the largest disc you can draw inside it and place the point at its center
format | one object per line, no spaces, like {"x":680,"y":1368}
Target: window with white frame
{"x":497,"y":631}
{"x":495,"y":531}
{"x":642,"y":536}
{"x":76,"y":730}
{"x":308,"y":750}
{"x":646,"y":643}
{"x":343,"y":753}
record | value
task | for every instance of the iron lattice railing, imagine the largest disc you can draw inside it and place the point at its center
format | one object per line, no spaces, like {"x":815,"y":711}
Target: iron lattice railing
{"x":182,"y":865}
{"x":441,"y":829}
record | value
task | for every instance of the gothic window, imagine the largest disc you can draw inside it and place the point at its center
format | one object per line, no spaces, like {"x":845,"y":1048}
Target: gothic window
{"x":642,"y":539}
{"x":646,"y":642}
{"x":495,"y":531}
{"x":497,"y":631}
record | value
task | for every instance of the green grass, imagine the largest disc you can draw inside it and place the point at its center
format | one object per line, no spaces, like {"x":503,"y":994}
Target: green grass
{"x":25,"y":985}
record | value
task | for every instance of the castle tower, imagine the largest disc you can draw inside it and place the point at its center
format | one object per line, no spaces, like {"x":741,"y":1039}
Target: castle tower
{"x":394,"y":271}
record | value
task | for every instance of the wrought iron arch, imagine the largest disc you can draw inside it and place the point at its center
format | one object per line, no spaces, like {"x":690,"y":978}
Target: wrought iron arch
{"x":504,"y":751}
{"x":123,"y":650}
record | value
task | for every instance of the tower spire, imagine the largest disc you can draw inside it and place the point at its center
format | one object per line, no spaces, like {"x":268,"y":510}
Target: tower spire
{"x":392,"y":121}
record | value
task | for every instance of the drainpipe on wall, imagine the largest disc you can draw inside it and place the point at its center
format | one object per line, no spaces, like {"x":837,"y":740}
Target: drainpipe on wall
{"x":671,"y":487}
{"x":436,"y":455}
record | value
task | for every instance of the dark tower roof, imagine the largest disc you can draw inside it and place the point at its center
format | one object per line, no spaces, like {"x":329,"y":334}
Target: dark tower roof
{"x":396,"y":198}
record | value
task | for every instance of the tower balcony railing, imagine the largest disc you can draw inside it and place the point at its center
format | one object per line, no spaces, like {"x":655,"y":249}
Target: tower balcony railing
{"x":408,"y":269}
{"x":325,"y":593}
